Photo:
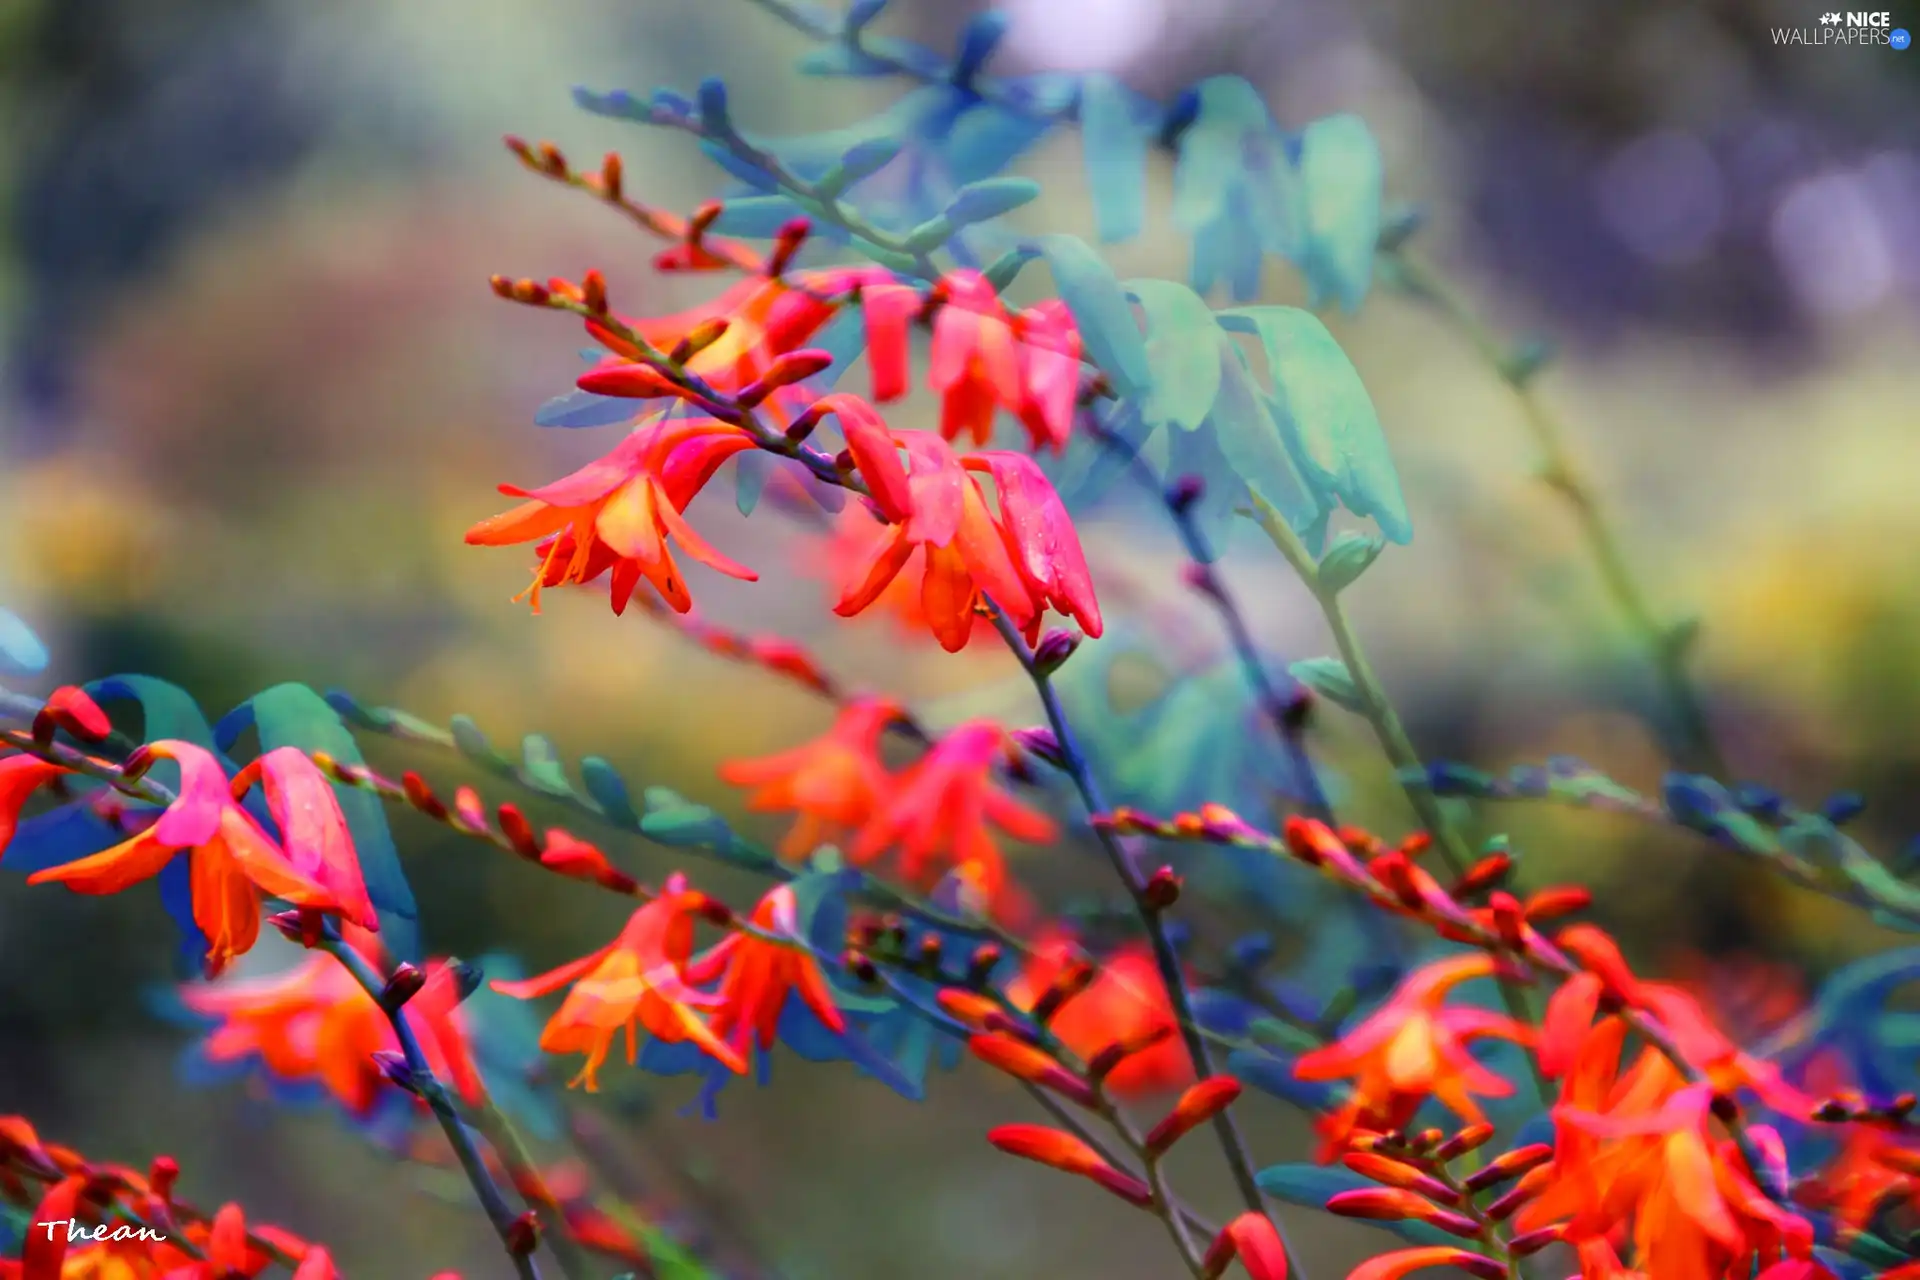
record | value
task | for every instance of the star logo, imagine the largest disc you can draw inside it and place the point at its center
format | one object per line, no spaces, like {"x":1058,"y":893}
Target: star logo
{"x":1830,"y":19}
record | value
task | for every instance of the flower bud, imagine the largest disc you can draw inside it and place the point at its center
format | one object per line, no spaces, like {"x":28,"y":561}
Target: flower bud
{"x":1054,"y":649}
{"x":1162,"y":890}
{"x":402,"y":985}
{"x":1199,"y":1104}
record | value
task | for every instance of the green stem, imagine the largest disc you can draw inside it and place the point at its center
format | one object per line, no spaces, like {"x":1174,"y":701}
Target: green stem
{"x":1378,"y":711}
{"x":1665,"y":643}
{"x":499,"y":1132}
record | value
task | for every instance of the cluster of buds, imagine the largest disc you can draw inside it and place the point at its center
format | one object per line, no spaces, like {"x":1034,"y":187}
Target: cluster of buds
{"x":1851,"y":1107}
{"x":1416,"y":1182}
{"x":558,"y":850}
{"x":874,"y":941}
{"x":78,"y":1206}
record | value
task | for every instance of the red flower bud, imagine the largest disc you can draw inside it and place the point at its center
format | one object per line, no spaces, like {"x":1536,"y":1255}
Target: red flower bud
{"x":1255,"y":1241}
{"x":1068,"y":1154}
{"x":1027,"y":1062}
{"x":70,"y":708}
{"x":1199,"y":1104}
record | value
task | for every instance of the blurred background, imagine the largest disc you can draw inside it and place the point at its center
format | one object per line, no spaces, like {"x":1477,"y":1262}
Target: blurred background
{"x":256,"y":388}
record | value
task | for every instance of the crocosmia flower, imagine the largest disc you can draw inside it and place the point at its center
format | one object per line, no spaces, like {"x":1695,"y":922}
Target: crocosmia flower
{"x":1041,"y":537}
{"x":233,"y":863}
{"x":765,"y":320}
{"x":943,"y":808}
{"x":1646,"y":1148}
{"x":636,"y":982}
{"x":757,"y":975}
{"x":314,"y":1024}
{"x":975,"y":359}
{"x":1414,"y":1047}
{"x":964,"y":549}
{"x":617,"y":513}
{"x":313,"y":830}
{"x":833,"y":784}
{"x":21,"y":776}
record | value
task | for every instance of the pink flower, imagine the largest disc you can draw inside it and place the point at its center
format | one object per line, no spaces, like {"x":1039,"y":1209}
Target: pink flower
{"x":1041,"y":537}
{"x":976,"y":360}
{"x":1049,"y":373}
{"x":313,"y":831}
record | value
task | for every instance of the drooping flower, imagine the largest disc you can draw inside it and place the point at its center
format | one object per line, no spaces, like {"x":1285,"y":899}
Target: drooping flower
{"x":1126,"y":1003}
{"x":233,"y":863}
{"x":636,"y":982}
{"x":765,"y":319}
{"x":313,"y":831}
{"x":941,"y":811}
{"x":757,"y":975}
{"x":847,"y":554}
{"x":314,"y":1024}
{"x":1414,"y":1047}
{"x":1041,"y":538}
{"x":832,"y":784}
{"x":618,"y":512}
{"x":1642,"y":1148}
{"x":965,"y":551}
{"x":975,"y":358}
{"x":1872,"y":1170}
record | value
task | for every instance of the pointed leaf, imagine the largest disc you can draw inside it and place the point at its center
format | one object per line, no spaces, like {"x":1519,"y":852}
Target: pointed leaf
{"x":1183,"y":351}
{"x":21,"y":653}
{"x":540,"y":766}
{"x":1329,"y":678}
{"x":1341,"y":174}
{"x":1319,"y":392}
{"x":473,"y":744}
{"x":1108,"y":331}
{"x":608,"y":790}
{"x":1114,"y":144}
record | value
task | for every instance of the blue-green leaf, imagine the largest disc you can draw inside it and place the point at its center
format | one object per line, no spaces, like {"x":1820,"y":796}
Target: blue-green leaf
{"x":1184,"y":348}
{"x":473,"y":744}
{"x":1348,"y":558}
{"x":1341,"y":175}
{"x":609,"y":791}
{"x":978,"y":201}
{"x":1329,"y":678}
{"x":1320,"y":394}
{"x":1114,"y":144}
{"x":21,"y":653}
{"x":1108,"y":331}
{"x":540,"y":766}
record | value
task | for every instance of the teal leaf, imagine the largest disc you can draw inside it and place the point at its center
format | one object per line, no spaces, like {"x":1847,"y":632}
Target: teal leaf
{"x":540,"y":766}
{"x":293,"y":715}
{"x":1348,"y":558}
{"x":1114,"y":145}
{"x":677,"y":822}
{"x":1184,"y":347}
{"x":861,"y":162}
{"x":1329,"y":678}
{"x":1341,"y":175}
{"x":1234,"y":189}
{"x":1312,"y":1185}
{"x":474,"y":745}
{"x":1253,"y":447}
{"x":1108,"y":331}
{"x":755,"y":217}
{"x":21,"y":653}
{"x":609,"y":790}
{"x":979,"y":201}
{"x":1325,"y":405}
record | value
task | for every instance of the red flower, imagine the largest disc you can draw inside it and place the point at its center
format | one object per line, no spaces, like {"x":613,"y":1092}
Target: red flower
{"x":1049,"y":373}
{"x":313,"y":831}
{"x":618,"y":512}
{"x":756,"y":977}
{"x":233,"y":862}
{"x":833,"y":783}
{"x":20,"y":777}
{"x":765,"y":319}
{"x":943,"y":805}
{"x":1041,"y":538}
{"x":314,"y":1022}
{"x":848,"y":554}
{"x":1412,"y":1048}
{"x":637,"y":981}
{"x":975,"y":364}
{"x":965,"y":550}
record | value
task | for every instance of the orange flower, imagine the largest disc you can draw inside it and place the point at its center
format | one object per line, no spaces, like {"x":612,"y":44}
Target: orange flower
{"x":765,"y":319}
{"x":975,"y":359}
{"x":1872,"y":1168}
{"x":1412,"y":1048}
{"x":618,"y":512}
{"x":832,"y":783}
{"x":943,"y":805}
{"x":233,"y":862}
{"x":847,"y":554}
{"x":637,"y":981}
{"x":1641,"y":1149}
{"x":314,"y":1022}
{"x":756,"y":977}
{"x":964,"y":549}
{"x":1126,"y":1003}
